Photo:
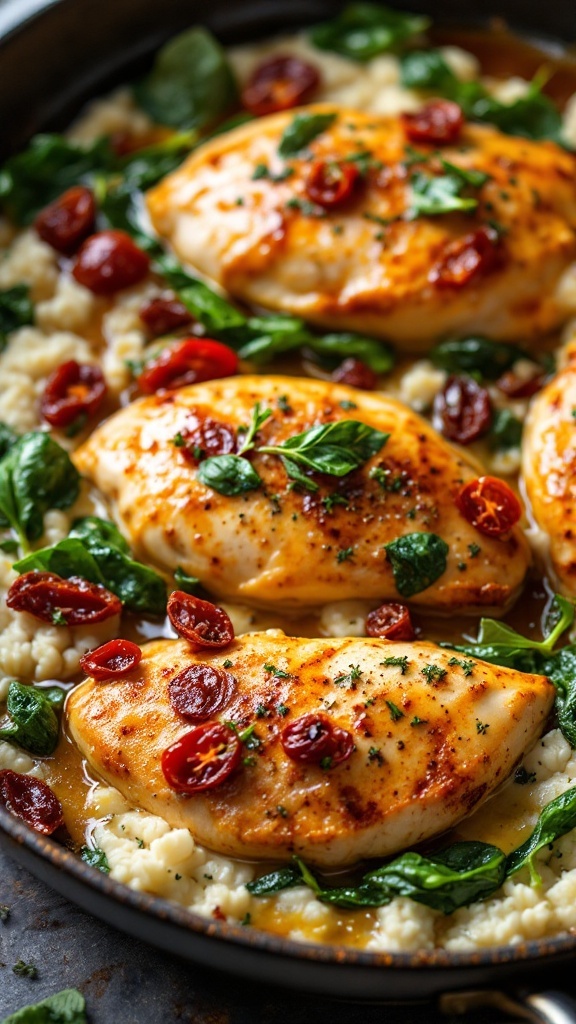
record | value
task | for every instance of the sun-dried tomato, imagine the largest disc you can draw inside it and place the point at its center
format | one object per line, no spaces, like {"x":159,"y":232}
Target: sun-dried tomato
{"x":391,"y":621}
{"x":207,"y":438}
{"x":514,"y":386}
{"x":314,"y":739}
{"x":72,"y":391}
{"x":188,"y":362}
{"x":356,"y":374}
{"x":280,"y":83}
{"x":73,"y":602}
{"x":201,"y":759}
{"x":203,"y":624}
{"x":330,"y":183}
{"x":66,"y":222}
{"x":437,"y":123}
{"x":462,"y":410}
{"x":199,"y":691}
{"x":163,"y":315}
{"x":32,"y":800}
{"x":116,"y":658}
{"x":466,"y":258}
{"x":490,"y":505}
{"x":109,"y":261}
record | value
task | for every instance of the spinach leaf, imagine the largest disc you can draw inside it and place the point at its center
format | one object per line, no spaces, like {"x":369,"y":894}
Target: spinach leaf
{"x":432,"y":196}
{"x":66,"y":1007}
{"x":191,"y":84}
{"x":97,"y":551}
{"x":55,"y":695}
{"x":275,"y":881}
{"x":189,"y":584}
{"x":363,"y":30}
{"x":417,"y":560}
{"x":96,"y":857}
{"x":333,"y":448}
{"x":477,"y":355}
{"x":119,"y":207}
{"x":34,"y":724}
{"x":229,"y":474}
{"x":50,"y":165}
{"x":302,"y":130}
{"x":143,"y":168}
{"x":35,"y":475}
{"x":556,"y":819}
{"x":16,"y":311}
{"x":427,"y":70}
{"x":8,"y":438}
{"x":505,"y":432}
{"x":378,"y":355}
{"x":216,"y":314}
{"x":269,"y":336}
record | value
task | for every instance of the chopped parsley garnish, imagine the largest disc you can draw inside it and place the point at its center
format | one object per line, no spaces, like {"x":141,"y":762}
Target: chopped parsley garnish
{"x":375,"y":754}
{"x":419,"y":721}
{"x":465,"y":664}
{"x":395,"y":712}
{"x":399,"y":661}
{"x":345,"y":554}
{"x":351,"y":677}
{"x":24,"y":970}
{"x":482,"y":727}
{"x":433,"y":673}
{"x":283,"y":710}
{"x":278,"y":672}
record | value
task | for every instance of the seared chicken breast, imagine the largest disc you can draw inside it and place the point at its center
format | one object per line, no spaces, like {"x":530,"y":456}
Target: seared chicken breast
{"x":290,"y":546}
{"x":242,"y":214}
{"x":432,"y":736}
{"x":549,"y":470}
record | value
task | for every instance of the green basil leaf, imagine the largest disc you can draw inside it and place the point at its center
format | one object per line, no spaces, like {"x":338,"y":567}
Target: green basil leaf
{"x":95,"y":530}
{"x":96,"y":857}
{"x":229,"y":474}
{"x":333,"y":448}
{"x":55,"y":694}
{"x":363,"y":30}
{"x":378,"y":355}
{"x":275,"y":881}
{"x":16,"y":311}
{"x":427,"y":70}
{"x":67,"y":558}
{"x":269,"y":336}
{"x":66,"y":1007}
{"x":302,"y":130}
{"x":35,"y":475}
{"x":34,"y":724}
{"x":477,"y":355}
{"x":432,"y":196}
{"x":556,"y":819}
{"x":417,"y":560}
{"x":191,"y":84}
{"x":189,"y":584}
{"x":42,"y":172}
{"x":216,"y":314}
{"x":505,"y":432}
{"x":8,"y":438}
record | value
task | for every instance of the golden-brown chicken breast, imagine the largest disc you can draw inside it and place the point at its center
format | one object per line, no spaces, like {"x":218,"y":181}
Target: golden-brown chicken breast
{"x":427,"y":736}
{"x":245,"y":216}
{"x":291,"y":546}
{"x":549,"y":470}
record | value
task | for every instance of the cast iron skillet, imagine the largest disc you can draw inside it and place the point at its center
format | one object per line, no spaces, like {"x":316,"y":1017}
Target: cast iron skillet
{"x":55,"y":54}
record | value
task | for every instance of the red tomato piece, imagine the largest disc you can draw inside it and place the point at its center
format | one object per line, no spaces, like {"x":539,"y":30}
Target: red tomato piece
{"x":521,"y":387}
{"x":32,"y":800}
{"x":469,"y":257}
{"x":280,"y":83}
{"x":436,"y":123}
{"x":73,"y":390}
{"x":202,"y":623}
{"x":462,"y":410}
{"x":66,"y":222}
{"x":109,"y":261}
{"x":490,"y":505}
{"x":163,"y":315}
{"x":73,"y":602}
{"x":116,"y":658}
{"x":330,"y":183}
{"x":314,"y":739}
{"x":356,"y":374}
{"x":188,"y":362}
{"x":208,"y":438}
{"x":199,"y":691}
{"x":201,"y":759}
{"x":391,"y":621}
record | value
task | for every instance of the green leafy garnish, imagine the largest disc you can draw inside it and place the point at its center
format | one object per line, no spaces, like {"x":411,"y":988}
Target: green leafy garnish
{"x":97,"y":551}
{"x":333,"y":448}
{"x":378,"y":355}
{"x":443,"y":193}
{"x":34,"y":724}
{"x":189,"y":584}
{"x":363,"y":30}
{"x":7,"y":439}
{"x":476,"y":355}
{"x":417,"y":560}
{"x":506,"y":430}
{"x":66,"y":1007}
{"x":96,"y":857}
{"x":16,"y":310}
{"x":191,"y":84}
{"x":557,"y":818}
{"x":302,"y":130}
{"x":229,"y":474}
{"x":36,"y":474}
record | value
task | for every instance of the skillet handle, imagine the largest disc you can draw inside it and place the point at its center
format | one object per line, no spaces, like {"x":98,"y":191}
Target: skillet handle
{"x":550,"y":1007}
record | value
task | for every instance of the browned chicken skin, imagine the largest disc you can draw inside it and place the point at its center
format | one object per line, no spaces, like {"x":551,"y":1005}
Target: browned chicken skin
{"x":363,"y":265}
{"x":433,"y":735}
{"x":289,"y":548}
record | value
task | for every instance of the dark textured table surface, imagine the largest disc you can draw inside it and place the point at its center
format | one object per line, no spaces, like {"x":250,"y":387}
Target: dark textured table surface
{"x":128,"y":982}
